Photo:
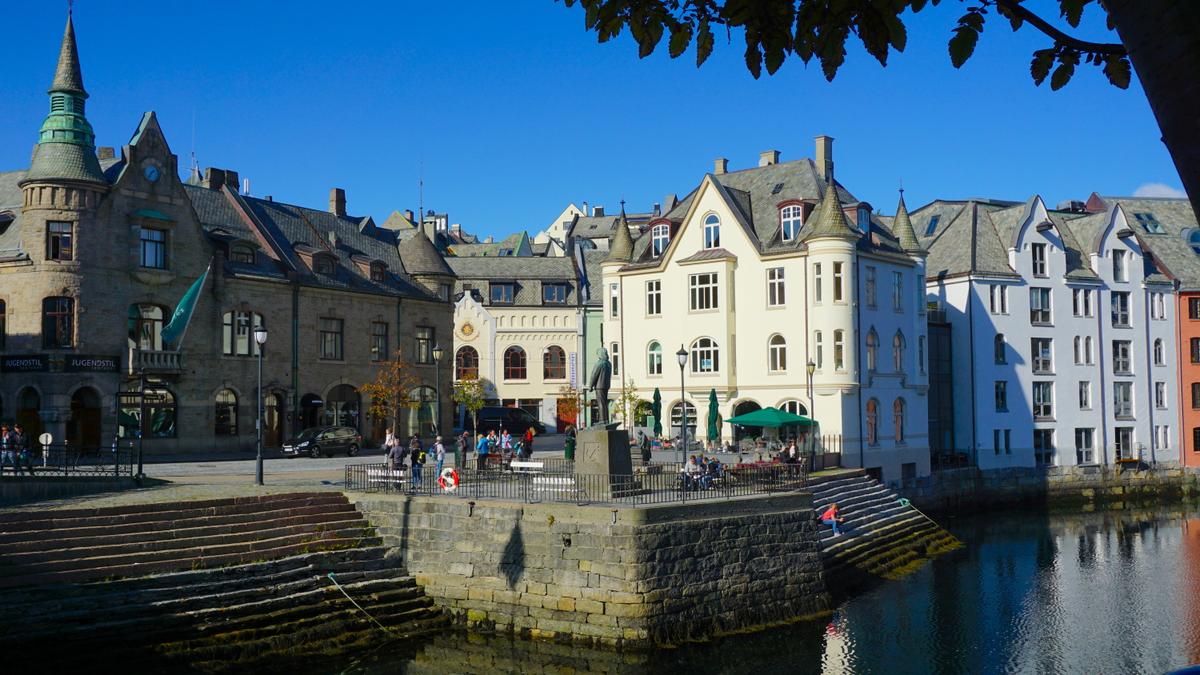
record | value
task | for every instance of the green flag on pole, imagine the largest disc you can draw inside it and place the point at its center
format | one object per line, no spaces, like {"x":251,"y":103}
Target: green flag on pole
{"x":173,"y":332}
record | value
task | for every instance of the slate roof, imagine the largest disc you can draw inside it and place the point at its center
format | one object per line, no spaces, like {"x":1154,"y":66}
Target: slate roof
{"x":602,"y":227}
{"x":512,"y":267}
{"x":420,"y":257}
{"x":10,"y":201}
{"x":67,"y":76}
{"x":1172,"y":249}
{"x":593,"y":275}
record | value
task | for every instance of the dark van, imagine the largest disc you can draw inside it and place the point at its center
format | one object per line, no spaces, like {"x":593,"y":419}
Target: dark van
{"x":495,"y":418}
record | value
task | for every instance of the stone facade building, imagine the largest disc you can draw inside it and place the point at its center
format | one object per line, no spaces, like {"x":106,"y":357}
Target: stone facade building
{"x":98,"y":248}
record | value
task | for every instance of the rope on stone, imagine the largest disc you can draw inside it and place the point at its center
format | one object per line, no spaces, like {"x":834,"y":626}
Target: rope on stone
{"x":355,"y":603}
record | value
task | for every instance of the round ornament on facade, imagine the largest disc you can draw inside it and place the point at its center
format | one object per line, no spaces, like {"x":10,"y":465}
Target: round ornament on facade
{"x":467,"y":331}
{"x":151,"y":173}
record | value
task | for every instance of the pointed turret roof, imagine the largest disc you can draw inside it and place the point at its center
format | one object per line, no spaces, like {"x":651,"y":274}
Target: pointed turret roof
{"x":829,"y":221}
{"x":67,"y":77}
{"x":903,"y":229}
{"x":620,"y":247}
{"x":66,"y":148}
{"x":420,"y":256}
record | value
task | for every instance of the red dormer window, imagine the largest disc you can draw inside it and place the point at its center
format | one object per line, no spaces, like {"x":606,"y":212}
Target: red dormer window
{"x":323,"y":264}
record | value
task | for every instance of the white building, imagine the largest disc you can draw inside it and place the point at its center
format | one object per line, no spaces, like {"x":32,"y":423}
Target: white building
{"x":758,"y":272}
{"x":1063,"y":334}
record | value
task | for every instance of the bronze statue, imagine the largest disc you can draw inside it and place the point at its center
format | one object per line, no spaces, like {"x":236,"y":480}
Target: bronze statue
{"x":600,"y":382}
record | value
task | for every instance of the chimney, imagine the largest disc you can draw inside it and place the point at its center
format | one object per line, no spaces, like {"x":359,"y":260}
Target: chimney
{"x":720,"y":165}
{"x":598,"y":211}
{"x":337,"y":202}
{"x":585,"y":208}
{"x":409,"y":214}
{"x":657,"y":210}
{"x":213,"y":178}
{"x":456,"y":228}
{"x":231,"y":179}
{"x":768,"y":157}
{"x":489,"y":240}
{"x":333,"y":239}
{"x":105,"y":152}
{"x":246,"y":186}
{"x":269,"y":198}
{"x":824,"y":157}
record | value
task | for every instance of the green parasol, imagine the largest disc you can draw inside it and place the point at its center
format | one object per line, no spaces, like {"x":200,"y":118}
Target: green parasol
{"x":656,"y":410}
{"x":714,"y":416}
{"x":770,"y":417}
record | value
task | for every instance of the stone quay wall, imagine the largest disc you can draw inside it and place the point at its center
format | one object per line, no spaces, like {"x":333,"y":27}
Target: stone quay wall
{"x":628,"y":577}
{"x":956,"y":489}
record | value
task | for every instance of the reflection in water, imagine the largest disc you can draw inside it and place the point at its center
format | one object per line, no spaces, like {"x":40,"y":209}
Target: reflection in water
{"x":1096,"y":593}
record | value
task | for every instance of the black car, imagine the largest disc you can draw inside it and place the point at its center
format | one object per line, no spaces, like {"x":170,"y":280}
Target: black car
{"x":318,"y":441}
{"x":496,"y":418}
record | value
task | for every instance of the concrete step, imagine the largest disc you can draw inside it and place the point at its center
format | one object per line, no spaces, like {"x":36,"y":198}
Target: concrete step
{"x":153,"y":529}
{"x":885,"y":547}
{"x":861,"y":505}
{"x":213,"y":557}
{"x":866,"y":541}
{"x":866,"y":526}
{"x":845,"y":492}
{"x":23,"y":521}
{"x":821,"y":490}
{"x":95,"y":546}
{"x":862,"y":520}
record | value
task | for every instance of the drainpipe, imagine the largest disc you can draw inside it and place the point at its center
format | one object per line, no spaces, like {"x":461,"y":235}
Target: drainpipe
{"x":862,"y":446}
{"x":295,"y":353}
{"x":1147,"y":300}
{"x":971,"y":351}
{"x":1177,"y":305}
{"x":1100,"y":380}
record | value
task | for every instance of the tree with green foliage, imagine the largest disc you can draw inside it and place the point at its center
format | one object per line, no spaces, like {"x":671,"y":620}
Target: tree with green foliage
{"x":1159,"y":39}
{"x":392,"y":391}
{"x":470,"y":393}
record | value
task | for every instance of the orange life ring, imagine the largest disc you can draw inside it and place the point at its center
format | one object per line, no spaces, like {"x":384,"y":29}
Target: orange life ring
{"x":448,"y":481}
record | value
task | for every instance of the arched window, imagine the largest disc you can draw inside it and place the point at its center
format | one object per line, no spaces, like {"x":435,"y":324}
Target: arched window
{"x":654,"y":359}
{"x":240,"y":253}
{"x":226,"y":413}
{"x":58,"y":323}
{"x":872,"y":422}
{"x":466,"y":364}
{"x":1078,"y":349}
{"x":3,"y":324}
{"x":378,"y":272}
{"x":790,"y":220}
{"x":898,"y":351}
{"x":1160,"y":357}
{"x":237,"y":333}
{"x":999,"y":353}
{"x":324,"y":264}
{"x":514,"y":364}
{"x":342,"y":406}
{"x":660,"y":236}
{"x":898,"y":419}
{"x":839,"y":350}
{"x":160,"y":413}
{"x":705,"y":356}
{"x":1087,"y":350}
{"x":145,"y":327}
{"x":554,"y":363}
{"x":872,"y":350}
{"x":422,"y":413}
{"x":794,"y":407}
{"x":677,"y":418}
{"x":778,"y":353}
{"x":712,"y":231}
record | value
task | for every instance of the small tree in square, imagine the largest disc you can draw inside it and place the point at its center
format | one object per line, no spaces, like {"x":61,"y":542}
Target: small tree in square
{"x":392,"y":390}
{"x":471,"y":394}
{"x":626,"y":406}
{"x":570,"y":402}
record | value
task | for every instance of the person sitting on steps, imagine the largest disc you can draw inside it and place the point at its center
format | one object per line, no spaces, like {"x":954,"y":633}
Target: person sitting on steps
{"x":831,"y":518}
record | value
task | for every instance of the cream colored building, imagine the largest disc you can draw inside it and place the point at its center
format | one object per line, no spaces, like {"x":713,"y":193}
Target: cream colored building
{"x":755,"y":274}
{"x":518,"y":325}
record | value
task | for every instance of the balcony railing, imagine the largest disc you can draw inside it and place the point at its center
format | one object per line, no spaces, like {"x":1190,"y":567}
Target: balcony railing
{"x":154,"y":361}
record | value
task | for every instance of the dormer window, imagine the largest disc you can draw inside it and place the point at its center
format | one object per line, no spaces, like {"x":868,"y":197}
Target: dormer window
{"x":378,"y":272}
{"x":791,"y":218}
{"x":242,"y":254}
{"x":864,"y":218}
{"x":660,"y":236}
{"x":323,"y":264}
{"x":712,"y":231}
{"x":1149,"y":223}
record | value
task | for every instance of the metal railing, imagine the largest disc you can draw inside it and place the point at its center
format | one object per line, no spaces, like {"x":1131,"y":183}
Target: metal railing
{"x":646,"y":487}
{"x":154,"y":361}
{"x":63,"y":461}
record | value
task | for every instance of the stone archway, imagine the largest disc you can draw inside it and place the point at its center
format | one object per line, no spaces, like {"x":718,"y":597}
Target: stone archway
{"x":83,"y":427}
{"x":29,"y":407}
{"x":342,"y":407}
{"x":739,"y":431}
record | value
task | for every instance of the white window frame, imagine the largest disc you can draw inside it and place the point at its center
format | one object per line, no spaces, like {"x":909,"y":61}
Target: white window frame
{"x":702,"y":347}
{"x":791,"y":219}
{"x":776,"y":287}
{"x":654,"y":297}
{"x":1085,"y":445}
{"x":777,"y":354}
{"x":1085,"y":395}
{"x":712,"y":231}
{"x":1043,"y":400}
{"x":660,"y":237}
{"x":1037,"y":254}
{"x":654,"y":358}
{"x":703,"y":292}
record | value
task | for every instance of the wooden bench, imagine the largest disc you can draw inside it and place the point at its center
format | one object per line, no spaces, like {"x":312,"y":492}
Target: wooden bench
{"x":386,"y":477}
{"x":520,"y":466}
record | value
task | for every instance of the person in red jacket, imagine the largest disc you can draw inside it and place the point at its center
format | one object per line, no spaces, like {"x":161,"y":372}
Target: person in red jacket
{"x":831,"y":518}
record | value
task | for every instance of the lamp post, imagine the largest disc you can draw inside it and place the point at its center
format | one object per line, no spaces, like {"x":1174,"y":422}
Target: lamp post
{"x":437,"y":375}
{"x":810,"y":368}
{"x":682,"y":357}
{"x":260,"y":338}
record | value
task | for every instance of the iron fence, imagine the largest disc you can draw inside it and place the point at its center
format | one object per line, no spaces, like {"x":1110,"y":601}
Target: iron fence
{"x":61,"y":460}
{"x":656,"y":484}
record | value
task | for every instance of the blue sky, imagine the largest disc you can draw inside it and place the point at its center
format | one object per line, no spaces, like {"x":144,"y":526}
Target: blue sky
{"x":511,"y":110}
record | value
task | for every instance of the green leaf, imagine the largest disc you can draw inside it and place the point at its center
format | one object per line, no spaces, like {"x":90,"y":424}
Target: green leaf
{"x":1062,"y":74}
{"x":1118,"y":70}
{"x":1039,"y":68}
{"x":753,"y":59}
{"x":681,"y":37}
{"x":704,"y":43}
{"x":962,"y":45}
{"x":1072,"y":10}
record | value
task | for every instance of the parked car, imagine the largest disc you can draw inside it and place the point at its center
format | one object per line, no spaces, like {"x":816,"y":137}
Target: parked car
{"x":318,"y":441}
{"x":495,"y":418}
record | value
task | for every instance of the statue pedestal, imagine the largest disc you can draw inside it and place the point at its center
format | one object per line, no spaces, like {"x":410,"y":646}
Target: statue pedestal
{"x":603,"y":455}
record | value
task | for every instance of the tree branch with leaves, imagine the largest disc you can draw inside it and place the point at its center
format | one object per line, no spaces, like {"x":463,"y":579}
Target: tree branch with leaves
{"x":470,"y":393}
{"x":392,"y":391}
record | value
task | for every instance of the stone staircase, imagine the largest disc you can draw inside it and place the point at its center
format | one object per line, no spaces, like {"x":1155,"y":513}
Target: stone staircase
{"x":881,"y":538}
{"x":229,"y":583}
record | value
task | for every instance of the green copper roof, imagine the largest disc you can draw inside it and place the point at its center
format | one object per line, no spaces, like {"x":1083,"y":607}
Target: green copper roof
{"x":620,"y":248}
{"x":830,"y":220}
{"x":66,"y":146}
{"x":903,"y":229}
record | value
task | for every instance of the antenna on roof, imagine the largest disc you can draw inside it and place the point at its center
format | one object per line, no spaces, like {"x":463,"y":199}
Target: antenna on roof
{"x":901,"y":187}
{"x":193,"y":168}
{"x":420,"y":195}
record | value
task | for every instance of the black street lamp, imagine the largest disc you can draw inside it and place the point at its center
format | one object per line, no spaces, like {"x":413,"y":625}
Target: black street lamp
{"x":810,"y":368}
{"x":437,"y":374}
{"x":682,"y":357}
{"x":260,"y":338}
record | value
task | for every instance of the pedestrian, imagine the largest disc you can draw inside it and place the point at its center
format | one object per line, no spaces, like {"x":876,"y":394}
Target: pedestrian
{"x":24,"y":456}
{"x":7,"y":449}
{"x":389,"y":442}
{"x":528,"y":444}
{"x":831,"y":518}
{"x":462,"y":447}
{"x":569,"y":446}
{"x":439,"y":454}
{"x":645,"y":443}
{"x":416,"y":458}
{"x":396,"y":455}
{"x":481,"y":450}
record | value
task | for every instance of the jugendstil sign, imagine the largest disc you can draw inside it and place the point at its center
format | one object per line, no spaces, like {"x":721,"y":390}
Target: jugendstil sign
{"x":28,"y":363}
{"x":75,"y":363}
